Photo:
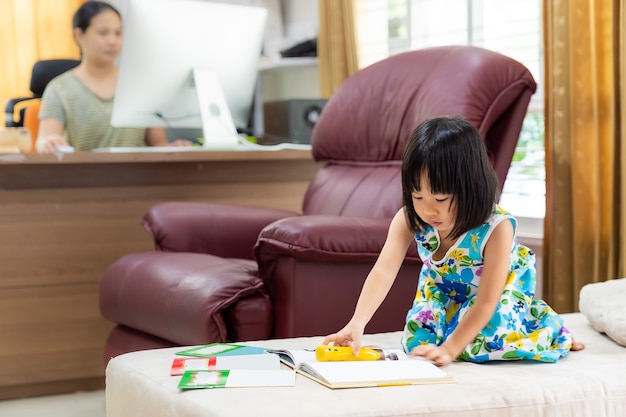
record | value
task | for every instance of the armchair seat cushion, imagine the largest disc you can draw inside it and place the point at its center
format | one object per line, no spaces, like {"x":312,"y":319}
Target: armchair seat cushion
{"x":187,"y":298}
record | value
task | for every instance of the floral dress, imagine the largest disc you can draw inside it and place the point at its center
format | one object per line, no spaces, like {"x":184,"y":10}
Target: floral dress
{"x":521,"y":328}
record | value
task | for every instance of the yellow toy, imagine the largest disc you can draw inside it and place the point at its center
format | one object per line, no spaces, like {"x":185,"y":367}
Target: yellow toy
{"x":328,"y":353}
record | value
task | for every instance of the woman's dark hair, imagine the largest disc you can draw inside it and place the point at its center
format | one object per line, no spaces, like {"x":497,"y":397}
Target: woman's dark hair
{"x":452,"y":154}
{"x":86,"y":12}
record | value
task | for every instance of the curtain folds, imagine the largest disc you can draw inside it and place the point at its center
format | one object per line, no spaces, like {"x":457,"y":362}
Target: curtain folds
{"x":584,"y":100}
{"x":620,"y":239}
{"x":32,"y":30}
{"x":336,"y":44}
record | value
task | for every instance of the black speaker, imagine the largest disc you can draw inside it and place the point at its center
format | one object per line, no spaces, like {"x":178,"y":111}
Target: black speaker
{"x":291,"y":120}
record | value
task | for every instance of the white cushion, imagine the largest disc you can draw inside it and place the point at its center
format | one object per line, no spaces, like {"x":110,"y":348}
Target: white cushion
{"x":604,"y":305}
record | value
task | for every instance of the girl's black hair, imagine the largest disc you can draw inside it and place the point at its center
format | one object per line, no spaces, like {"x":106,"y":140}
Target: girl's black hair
{"x":86,"y":12}
{"x":451,"y":153}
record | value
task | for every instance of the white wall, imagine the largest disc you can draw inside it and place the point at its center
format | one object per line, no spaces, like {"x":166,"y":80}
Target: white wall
{"x":301,"y":19}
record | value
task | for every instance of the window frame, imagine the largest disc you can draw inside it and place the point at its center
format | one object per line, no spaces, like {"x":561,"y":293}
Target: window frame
{"x":532,"y":211}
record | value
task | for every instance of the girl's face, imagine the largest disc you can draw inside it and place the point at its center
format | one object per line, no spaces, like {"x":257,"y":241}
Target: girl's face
{"x":102,"y":41}
{"x":438,"y":210}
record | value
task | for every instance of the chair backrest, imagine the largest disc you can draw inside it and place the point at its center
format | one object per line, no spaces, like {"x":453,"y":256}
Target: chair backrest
{"x":42,"y":72}
{"x":363,"y":129}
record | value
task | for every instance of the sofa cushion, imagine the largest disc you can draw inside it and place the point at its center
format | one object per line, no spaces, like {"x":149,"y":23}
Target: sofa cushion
{"x":603,"y":305}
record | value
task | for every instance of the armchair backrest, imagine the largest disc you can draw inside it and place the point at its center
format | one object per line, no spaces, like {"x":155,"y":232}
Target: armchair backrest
{"x":363,"y":129}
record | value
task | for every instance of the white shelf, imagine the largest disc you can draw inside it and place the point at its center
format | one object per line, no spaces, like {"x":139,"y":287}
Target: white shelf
{"x":271,"y":64}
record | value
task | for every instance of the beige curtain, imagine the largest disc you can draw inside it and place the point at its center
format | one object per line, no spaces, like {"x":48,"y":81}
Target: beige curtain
{"x":336,"y":44}
{"x":32,"y":30}
{"x":353,"y":34}
{"x":584,"y":91}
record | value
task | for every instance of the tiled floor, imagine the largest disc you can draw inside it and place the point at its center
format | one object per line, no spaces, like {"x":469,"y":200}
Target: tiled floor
{"x":80,"y":404}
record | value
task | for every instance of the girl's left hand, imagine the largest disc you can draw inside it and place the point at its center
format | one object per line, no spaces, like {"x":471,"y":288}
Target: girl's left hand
{"x":439,"y":355}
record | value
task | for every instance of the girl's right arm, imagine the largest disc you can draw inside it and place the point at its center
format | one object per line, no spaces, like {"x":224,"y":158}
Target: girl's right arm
{"x":378,"y":282}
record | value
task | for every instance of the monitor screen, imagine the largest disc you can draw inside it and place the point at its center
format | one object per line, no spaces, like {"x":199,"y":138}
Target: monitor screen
{"x":188,"y":64}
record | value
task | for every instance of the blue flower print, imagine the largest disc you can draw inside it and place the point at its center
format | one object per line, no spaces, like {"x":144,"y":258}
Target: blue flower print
{"x":467,"y":275}
{"x":510,"y":321}
{"x":495,"y":344}
{"x":518,"y":306}
{"x":530,"y":325}
{"x":479,"y":358}
{"x":563,"y":339}
{"x":455,"y":290}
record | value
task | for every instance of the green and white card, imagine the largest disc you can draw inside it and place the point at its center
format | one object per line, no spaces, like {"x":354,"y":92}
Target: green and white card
{"x":221,"y":349}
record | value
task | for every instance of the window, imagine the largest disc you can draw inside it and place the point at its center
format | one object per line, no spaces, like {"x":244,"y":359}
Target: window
{"x":511,"y":27}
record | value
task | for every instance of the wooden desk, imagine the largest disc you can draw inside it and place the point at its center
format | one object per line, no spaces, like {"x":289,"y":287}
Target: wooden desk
{"x":64,"y":219}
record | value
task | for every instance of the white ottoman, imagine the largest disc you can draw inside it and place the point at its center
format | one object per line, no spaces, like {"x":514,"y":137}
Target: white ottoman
{"x":586,"y":383}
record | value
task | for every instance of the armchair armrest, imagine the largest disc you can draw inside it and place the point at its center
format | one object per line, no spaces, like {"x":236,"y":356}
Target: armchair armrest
{"x":186,"y":298}
{"x":324,"y":239}
{"x":222,"y":230}
{"x":311,"y":261}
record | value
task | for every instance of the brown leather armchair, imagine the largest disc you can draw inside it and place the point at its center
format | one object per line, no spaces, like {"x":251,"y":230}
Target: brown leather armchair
{"x":232,"y":273}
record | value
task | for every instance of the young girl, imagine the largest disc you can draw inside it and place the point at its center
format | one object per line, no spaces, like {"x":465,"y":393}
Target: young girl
{"x":475,"y":298}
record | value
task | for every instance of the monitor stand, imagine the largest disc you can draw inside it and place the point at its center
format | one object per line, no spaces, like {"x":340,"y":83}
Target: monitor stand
{"x":218,"y":128}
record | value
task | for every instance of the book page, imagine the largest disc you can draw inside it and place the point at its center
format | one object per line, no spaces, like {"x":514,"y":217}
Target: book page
{"x":376,"y":372}
{"x":294,"y":357}
{"x":303,"y":355}
{"x":256,"y":378}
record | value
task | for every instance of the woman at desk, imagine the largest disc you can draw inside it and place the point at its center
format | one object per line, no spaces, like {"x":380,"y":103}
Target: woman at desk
{"x":76,"y":106}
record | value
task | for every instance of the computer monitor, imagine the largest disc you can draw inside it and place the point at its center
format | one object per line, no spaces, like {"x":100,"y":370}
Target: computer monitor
{"x":189,"y":64}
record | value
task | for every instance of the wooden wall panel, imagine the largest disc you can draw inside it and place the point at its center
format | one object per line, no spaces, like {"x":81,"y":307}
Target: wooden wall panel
{"x":64,"y":220}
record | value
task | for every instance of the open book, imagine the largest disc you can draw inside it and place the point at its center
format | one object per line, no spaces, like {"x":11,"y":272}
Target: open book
{"x":394,"y":368}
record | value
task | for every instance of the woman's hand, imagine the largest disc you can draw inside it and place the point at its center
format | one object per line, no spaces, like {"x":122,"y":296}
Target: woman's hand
{"x":180,"y":142}
{"x":49,"y":143}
